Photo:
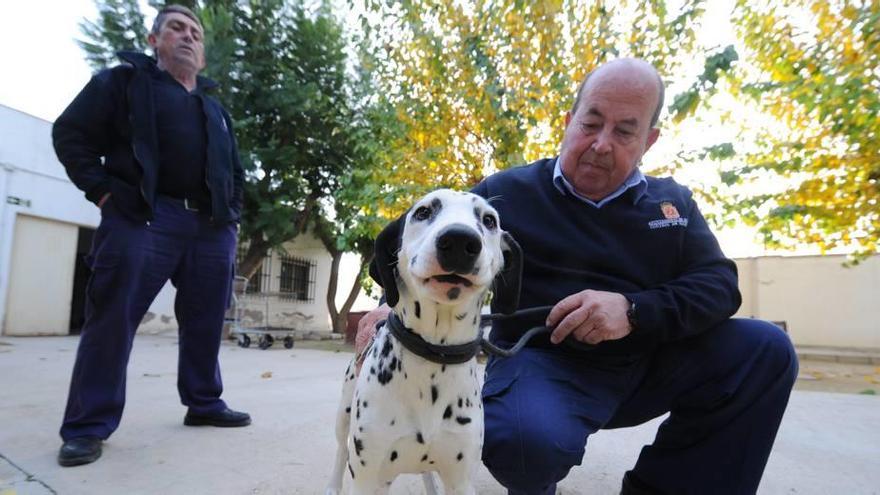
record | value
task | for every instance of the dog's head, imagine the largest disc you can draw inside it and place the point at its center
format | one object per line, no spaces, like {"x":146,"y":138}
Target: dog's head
{"x":448,"y":247}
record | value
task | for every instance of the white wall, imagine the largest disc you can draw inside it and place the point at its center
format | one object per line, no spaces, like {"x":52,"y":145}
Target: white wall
{"x":271,"y":308}
{"x":309,"y":247}
{"x":822,"y":302}
{"x":30,"y":171}
{"x":347,"y":271}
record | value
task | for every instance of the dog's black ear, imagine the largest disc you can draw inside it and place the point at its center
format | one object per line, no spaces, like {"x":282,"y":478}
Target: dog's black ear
{"x":505,"y":299}
{"x":384,"y":264}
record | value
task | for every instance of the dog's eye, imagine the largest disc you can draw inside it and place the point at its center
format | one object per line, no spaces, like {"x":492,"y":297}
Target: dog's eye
{"x":422,"y":213}
{"x":489,"y":222}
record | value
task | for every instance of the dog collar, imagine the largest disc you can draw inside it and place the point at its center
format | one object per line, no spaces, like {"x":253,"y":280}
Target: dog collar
{"x":441,"y":354}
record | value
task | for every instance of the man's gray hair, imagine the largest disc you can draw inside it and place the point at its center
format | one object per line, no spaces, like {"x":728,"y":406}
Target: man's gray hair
{"x":173,"y":9}
{"x":661,"y":93}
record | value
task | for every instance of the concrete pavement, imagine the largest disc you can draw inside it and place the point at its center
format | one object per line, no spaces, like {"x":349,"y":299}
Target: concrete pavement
{"x":828,"y":443}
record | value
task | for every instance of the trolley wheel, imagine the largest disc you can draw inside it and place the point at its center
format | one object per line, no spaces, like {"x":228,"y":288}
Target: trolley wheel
{"x":244,"y":341}
{"x":288,"y":342}
{"x":266,"y":341}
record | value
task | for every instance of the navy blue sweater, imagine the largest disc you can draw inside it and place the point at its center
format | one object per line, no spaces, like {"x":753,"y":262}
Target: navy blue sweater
{"x":180,"y":133}
{"x":658,"y":251}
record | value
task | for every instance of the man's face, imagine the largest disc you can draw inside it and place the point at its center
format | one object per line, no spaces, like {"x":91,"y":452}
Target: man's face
{"x":609,"y":132}
{"x":179,"y":44}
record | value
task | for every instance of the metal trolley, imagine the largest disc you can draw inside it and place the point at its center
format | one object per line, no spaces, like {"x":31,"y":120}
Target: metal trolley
{"x":246,"y":328}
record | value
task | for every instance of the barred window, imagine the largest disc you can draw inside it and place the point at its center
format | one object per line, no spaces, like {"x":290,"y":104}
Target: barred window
{"x":297,"y":278}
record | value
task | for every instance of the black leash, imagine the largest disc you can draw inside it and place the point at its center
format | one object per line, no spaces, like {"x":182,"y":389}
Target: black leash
{"x":461,"y":353}
{"x":490,"y":348}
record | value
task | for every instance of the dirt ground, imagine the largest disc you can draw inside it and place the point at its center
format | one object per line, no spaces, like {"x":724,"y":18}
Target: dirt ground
{"x":845,"y":378}
{"x":818,"y":376}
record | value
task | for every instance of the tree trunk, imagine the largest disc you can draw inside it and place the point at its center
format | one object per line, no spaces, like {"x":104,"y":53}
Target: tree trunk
{"x":253,"y":258}
{"x":339,"y":318}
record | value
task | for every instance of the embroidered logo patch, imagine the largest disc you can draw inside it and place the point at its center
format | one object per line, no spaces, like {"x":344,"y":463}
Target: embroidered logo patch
{"x":671,"y":217}
{"x":669,"y":210}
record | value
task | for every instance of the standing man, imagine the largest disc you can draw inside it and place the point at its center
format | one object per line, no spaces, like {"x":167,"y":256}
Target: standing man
{"x":642,"y":302}
{"x":157,"y":155}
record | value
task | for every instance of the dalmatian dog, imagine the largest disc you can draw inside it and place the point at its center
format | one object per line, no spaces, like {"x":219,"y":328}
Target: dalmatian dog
{"x":405,"y":413}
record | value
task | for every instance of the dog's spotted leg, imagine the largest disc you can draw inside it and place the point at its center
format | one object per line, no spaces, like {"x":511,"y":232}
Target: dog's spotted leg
{"x":343,"y":421}
{"x":460,"y":472}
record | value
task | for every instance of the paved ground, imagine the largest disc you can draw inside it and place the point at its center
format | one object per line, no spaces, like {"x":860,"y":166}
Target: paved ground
{"x":828,"y":443}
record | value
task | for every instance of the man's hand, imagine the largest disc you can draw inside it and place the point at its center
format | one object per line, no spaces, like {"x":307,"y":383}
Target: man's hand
{"x":367,"y":327}
{"x":590,"y":316}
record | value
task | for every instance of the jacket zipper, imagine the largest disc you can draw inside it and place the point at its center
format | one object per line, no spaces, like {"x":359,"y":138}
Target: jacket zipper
{"x":141,"y":184}
{"x":207,"y":158}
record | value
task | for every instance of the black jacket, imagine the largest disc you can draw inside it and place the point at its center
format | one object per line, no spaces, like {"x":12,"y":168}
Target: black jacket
{"x":113,"y":118}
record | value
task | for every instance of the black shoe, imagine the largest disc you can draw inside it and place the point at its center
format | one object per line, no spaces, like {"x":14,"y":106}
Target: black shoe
{"x":225,"y":418}
{"x":78,"y":451}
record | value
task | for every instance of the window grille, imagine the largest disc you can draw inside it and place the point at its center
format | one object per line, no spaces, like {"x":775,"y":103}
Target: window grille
{"x":297,"y":278}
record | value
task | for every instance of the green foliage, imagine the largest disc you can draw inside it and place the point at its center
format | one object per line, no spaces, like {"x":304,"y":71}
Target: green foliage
{"x":716,"y":64}
{"x":719,"y":151}
{"x":120,"y":26}
{"x":814,"y":67}
{"x":282,"y":73}
{"x":478,"y":86}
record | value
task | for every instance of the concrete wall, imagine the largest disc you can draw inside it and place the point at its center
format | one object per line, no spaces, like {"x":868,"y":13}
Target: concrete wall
{"x":822,"y":302}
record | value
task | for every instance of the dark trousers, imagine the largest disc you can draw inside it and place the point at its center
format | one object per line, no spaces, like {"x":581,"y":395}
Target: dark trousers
{"x":726,"y":391}
{"x":130,"y":263}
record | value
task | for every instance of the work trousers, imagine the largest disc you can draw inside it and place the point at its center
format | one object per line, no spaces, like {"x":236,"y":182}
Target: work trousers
{"x":131,"y":262}
{"x":725,"y":389}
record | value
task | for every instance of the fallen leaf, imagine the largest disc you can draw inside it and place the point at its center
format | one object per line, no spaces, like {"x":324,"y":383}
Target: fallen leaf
{"x":267,"y":374}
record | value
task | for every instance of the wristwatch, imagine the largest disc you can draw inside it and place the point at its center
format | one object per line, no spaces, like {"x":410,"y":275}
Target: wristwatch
{"x":631,"y":315}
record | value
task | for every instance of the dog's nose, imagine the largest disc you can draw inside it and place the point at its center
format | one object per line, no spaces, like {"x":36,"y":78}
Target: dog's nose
{"x":457,"y":248}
